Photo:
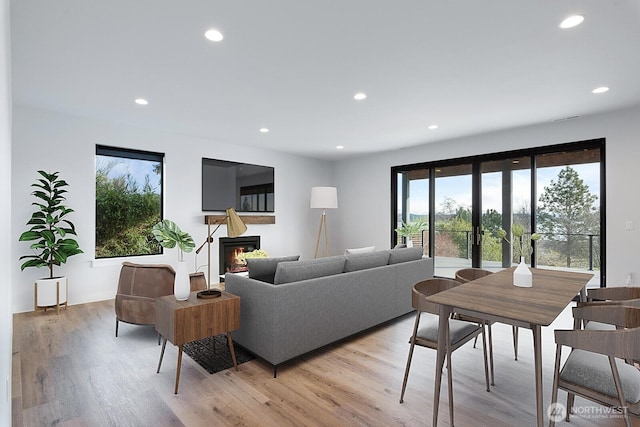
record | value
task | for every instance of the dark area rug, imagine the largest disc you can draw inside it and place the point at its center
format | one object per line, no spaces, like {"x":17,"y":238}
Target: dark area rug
{"x":203,"y":353}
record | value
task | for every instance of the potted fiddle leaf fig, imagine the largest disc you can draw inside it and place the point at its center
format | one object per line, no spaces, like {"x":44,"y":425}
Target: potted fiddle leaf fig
{"x":169,"y":235}
{"x":53,"y":238}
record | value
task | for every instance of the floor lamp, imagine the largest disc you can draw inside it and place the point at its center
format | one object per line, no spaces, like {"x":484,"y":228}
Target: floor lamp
{"x":323,"y":198}
{"x":235,"y":227}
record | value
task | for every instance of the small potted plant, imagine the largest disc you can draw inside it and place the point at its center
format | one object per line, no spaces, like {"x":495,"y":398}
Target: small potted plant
{"x":52,"y":235}
{"x":169,"y":235}
{"x":410,"y":229}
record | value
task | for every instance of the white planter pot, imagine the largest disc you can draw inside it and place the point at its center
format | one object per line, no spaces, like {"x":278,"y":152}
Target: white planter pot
{"x":181,"y":285}
{"x":51,"y":293}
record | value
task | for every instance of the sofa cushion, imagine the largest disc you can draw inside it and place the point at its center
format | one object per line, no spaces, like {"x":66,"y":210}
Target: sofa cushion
{"x":363,"y":261}
{"x":404,"y":254}
{"x":365,"y":250}
{"x":264,"y":269}
{"x":288,"y":271}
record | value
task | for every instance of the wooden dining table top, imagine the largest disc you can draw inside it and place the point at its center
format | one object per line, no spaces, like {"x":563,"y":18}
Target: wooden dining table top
{"x":496,"y":295}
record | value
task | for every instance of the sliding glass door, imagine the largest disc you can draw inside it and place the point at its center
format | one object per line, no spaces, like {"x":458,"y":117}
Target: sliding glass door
{"x":463,"y":204}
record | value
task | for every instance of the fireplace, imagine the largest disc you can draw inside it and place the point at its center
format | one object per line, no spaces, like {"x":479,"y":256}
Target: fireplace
{"x":229,"y":249}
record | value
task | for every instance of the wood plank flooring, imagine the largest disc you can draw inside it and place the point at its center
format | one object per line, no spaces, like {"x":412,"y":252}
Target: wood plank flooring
{"x":71,"y":370}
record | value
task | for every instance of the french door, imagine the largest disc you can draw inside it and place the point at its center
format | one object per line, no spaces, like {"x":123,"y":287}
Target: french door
{"x":556,"y":191}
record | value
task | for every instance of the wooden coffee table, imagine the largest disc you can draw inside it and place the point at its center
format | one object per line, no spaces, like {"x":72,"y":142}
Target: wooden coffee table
{"x":194,"y":319}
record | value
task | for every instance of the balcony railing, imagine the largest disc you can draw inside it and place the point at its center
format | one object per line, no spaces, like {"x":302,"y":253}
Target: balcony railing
{"x":585,"y":247}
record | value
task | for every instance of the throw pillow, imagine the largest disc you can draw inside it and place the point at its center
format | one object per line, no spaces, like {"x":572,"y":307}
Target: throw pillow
{"x":264,"y":269}
{"x":365,"y":250}
{"x":405,"y":254}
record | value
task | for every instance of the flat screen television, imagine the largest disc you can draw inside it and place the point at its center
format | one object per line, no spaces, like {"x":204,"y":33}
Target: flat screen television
{"x":242,"y":186}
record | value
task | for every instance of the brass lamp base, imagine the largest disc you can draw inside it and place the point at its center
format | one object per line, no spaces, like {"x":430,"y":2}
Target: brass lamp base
{"x":208,"y":294}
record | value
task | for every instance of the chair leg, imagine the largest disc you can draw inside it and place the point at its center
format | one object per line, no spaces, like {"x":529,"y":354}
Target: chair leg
{"x":117,"y":323}
{"x":484,"y":354}
{"x":617,"y":382}
{"x":515,"y":341}
{"x":450,"y":378}
{"x":570,"y":398}
{"x":411,"y":347}
{"x":475,"y":340}
{"x":493,"y":380}
{"x":554,"y":390}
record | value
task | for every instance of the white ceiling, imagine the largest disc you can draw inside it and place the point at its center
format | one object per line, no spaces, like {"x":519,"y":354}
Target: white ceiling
{"x":293,"y":66}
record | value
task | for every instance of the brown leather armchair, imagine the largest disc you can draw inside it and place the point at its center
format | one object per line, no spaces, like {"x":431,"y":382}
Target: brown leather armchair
{"x":138,"y":286}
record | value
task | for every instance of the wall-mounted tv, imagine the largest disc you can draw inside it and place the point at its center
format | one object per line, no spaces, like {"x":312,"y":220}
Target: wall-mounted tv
{"x":242,"y":186}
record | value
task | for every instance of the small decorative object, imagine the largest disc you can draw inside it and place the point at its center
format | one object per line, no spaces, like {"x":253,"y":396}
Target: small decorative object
{"x":169,"y":235}
{"x":521,"y":275}
{"x":51,"y":233}
{"x":256,"y":253}
{"x":409,"y":229}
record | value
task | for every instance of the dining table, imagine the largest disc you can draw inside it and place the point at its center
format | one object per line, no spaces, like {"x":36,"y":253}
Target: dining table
{"x":495,"y":298}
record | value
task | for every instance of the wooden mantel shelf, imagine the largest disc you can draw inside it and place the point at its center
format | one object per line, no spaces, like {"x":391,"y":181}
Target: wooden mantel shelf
{"x":247,"y":219}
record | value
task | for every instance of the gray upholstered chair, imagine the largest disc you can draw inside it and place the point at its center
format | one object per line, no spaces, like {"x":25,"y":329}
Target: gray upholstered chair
{"x":594,"y":369}
{"x":138,"y":286}
{"x":426,"y":335}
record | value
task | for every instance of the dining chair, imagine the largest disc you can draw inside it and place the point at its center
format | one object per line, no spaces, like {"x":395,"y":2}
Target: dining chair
{"x":425,"y":331}
{"x":595,"y":369}
{"x":620,"y":295}
{"x":465,"y":275}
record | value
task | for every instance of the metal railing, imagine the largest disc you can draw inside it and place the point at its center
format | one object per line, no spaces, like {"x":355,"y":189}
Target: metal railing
{"x":592,"y":240}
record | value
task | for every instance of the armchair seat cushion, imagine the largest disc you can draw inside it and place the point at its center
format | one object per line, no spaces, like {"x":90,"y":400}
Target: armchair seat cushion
{"x":458,"y":329}
{"x":593,"y":371}
{"x":599,"y":326}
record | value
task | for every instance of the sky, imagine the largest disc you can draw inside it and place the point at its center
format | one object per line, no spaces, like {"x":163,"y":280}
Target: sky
{"x":138,"y":169}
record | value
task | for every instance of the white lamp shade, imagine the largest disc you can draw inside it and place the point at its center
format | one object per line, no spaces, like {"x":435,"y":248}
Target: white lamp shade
{"x":324,"y":198}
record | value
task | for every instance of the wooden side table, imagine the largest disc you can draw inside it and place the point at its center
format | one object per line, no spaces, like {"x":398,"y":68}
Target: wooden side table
{"x":194,"y":319}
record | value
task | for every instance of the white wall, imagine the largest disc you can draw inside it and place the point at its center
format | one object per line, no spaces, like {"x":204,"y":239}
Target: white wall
{"x":365,"y":183}
{"x":59,"y":142}
{"x":6,"y":318}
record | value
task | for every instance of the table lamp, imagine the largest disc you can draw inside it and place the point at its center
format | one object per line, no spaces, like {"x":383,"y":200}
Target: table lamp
{"x":323,"y":198}
{"x":235,"y":227}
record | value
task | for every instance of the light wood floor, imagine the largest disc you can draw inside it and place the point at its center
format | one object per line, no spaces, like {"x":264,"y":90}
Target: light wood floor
{"x":70,"y":370}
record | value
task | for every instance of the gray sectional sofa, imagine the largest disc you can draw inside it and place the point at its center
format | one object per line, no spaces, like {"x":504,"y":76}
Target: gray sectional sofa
{"x":313,"y":303}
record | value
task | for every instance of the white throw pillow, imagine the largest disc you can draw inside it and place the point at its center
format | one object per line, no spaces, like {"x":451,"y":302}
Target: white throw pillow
{"x":364,"y":250}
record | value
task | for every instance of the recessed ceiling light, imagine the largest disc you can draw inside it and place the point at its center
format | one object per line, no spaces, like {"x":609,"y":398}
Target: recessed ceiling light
{"x":213,"y":35}
{"x":141,"y":101}
{"x":339,"y":147}
{"x":359,"y":96}
{"x":432,"y":127}
{"x":264,"y":130}
{"x":601,"y":89}
{"x":572,"y":21}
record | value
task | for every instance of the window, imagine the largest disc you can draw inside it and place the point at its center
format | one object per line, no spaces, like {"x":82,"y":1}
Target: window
{"x":128,"y":201}
{"x":257,"y":198}
{"x":555,"y":191}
